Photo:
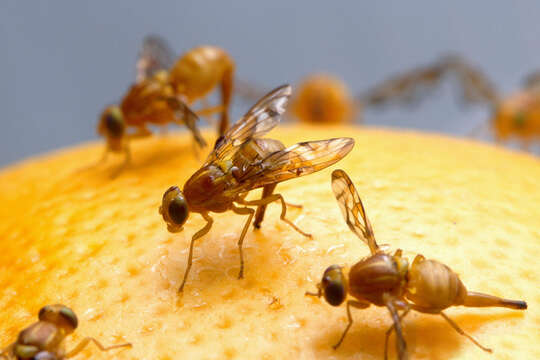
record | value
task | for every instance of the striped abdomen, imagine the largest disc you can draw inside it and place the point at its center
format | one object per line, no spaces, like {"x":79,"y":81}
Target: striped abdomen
{"x":433,"y":286}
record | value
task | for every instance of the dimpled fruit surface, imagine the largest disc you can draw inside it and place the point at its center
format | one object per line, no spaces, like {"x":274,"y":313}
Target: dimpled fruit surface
{"x":71,"y":233}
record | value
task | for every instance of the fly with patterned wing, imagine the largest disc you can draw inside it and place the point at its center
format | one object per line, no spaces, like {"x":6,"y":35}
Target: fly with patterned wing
{"x":243,"y":161}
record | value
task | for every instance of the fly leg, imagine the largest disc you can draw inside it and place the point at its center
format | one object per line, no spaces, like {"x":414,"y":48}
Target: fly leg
{"x":209,"y":117}
{"x":389,"y":331}
{"x":356,"y":304}
{"x":461,"y":332}
{"x":272,"y":198}
{"x":142,"y":131}
{"x":125,"y":164}
{"x":198,"y":234}
{"x":209,"y":110}
{"x":183,"y":115}
{"x":104,"y":156}
{"x":401,"y":346}
{"x":249,"y":212}
{"x":87,"y":340}
{"x":227,"y":84}
{"x":261,"y":209}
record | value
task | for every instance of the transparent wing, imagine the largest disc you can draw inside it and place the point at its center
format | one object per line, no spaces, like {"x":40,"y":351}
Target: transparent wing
{"x":475,"y":85}
{"x":247,"y":90}
{"x":260,"y":119}
{"x":184,"y":112}
{"x":155,"y":55}
{"x":532,"y":81}
{"x":415,"y":85}
{"x":298,"y":160}
{"x":352,"y":208}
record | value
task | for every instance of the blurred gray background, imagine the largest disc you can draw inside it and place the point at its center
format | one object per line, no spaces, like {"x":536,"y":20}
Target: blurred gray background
{"x":62,"y":61}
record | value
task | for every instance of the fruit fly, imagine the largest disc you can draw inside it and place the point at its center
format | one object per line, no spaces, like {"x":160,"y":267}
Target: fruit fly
{"x":514,"y":116}
{"x":325,"y":99}
{"x":382,"y":279}
{"x":243,"y":161}
{"x":43,"y":339}
{"x":320,"y":99}
{"x":164,"y":92}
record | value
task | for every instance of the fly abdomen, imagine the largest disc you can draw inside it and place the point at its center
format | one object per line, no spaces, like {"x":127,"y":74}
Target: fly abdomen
{"x":433,"y":286}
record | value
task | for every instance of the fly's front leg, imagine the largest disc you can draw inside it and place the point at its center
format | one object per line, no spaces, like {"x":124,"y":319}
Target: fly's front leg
{"x":461,"y":332}
{"x":105,"y":156}
{"x":356,"y":304}
{"x":275,"y":197}
{"x":126,"y":163}
{"x":142,"y":131}
{"x":250,"y":213}
{"x":198,"y":234}
{"x":87,"y":340}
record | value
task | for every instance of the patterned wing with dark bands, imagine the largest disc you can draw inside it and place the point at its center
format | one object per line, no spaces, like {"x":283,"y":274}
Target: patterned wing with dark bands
{"x":259,"y":120}
{"x":298,"y":160}
{"x":415,"y":85}
{"x":352,"y":208}
{"x":154,"y":56}
{"x":184,"y":112}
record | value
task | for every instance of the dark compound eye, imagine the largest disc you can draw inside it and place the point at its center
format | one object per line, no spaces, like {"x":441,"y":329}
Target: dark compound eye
{"x":178,"y":210}
{"x":69,"y":316}
{"x":174,"y":208}
{"x":333,"y":285}
{"x":114,"y":123}
{"x":59,"y":314}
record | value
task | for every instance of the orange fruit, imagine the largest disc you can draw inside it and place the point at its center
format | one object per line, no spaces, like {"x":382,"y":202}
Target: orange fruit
{"x":70,"y":234}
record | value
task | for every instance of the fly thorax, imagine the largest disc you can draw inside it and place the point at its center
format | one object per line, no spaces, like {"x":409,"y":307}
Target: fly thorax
{"x":374,"y":276}
{"x":42,"y":334}
{"x":204,"y":191}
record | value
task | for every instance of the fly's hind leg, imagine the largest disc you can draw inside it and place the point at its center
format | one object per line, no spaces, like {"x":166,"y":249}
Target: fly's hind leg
{"x":227,"y":84}
{"x":461,"y":332}
{"x":275,"y":197}
{"x":87,"y":340}
{"x":250,"y":213}
{"x":198,"y":234}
